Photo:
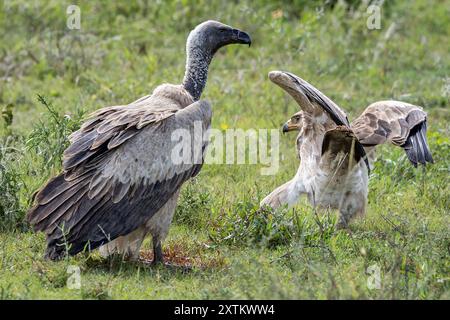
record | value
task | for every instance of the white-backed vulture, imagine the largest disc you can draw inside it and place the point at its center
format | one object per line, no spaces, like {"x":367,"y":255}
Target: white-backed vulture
{"x":119,"y":181}
{"x":334,"y":168}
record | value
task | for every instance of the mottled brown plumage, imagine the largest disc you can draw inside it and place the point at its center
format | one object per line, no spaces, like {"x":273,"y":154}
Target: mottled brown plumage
{"x":400,"y":123}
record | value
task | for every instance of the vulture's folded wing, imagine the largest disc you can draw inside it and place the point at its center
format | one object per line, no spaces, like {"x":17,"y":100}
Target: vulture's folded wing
{"x":400,"y":123}
{"x":118,"y":172}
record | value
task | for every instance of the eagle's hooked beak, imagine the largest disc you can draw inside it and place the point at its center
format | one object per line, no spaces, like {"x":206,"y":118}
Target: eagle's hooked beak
{"x":289,"y":126}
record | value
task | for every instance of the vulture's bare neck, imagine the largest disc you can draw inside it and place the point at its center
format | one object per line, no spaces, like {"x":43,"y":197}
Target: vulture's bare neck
{"x":196,"y":74}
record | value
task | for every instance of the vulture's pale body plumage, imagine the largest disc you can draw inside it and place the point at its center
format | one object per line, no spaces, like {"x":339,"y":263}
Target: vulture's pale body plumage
{"x":335,"y":156}
{"x":119,"y":181}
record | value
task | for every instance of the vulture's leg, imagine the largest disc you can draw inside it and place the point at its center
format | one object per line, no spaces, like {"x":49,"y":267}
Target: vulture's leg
{"x":127,"y":246}
{"x":159,"y":224}
{"x":158,"y":256}
{"x":286,"y":194}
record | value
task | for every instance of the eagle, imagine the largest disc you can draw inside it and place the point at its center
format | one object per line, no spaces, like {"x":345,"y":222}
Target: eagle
{"x":336,"y":155}
{"x":119,"y":180}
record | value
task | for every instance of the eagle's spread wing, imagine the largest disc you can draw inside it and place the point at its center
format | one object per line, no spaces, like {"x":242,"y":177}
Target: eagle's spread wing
{"x":120,"y":169}
{"x":316,"y":97}
{"x":315,"y":103}
{"x":400,"y":123}
{"x":341,"y":140}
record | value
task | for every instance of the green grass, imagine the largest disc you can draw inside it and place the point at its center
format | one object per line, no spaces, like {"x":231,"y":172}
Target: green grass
{"x":124,"y":50}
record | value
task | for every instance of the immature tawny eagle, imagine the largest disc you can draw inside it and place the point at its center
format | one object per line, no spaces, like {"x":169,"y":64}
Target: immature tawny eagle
{"x":334,"y":169}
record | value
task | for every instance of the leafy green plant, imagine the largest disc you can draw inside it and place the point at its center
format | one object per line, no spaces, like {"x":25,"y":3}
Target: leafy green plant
{"x":11,"y":212}
{"x":7,"y":114}
{"x":50,"y":137}
{"x":20,"y":159}
{"x":245,"y":223}
{"x":194,"y":205}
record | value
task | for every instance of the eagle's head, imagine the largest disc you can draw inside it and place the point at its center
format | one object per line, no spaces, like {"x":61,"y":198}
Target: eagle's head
{"x":294,"y":123}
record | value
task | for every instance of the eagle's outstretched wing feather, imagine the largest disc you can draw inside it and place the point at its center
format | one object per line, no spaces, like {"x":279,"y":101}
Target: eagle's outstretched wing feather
{"x":400,"y":123}
{"x":316,"y":97}
{"x":315,"y":103}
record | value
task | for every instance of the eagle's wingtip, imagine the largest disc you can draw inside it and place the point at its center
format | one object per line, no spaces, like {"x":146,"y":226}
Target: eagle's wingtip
{"x":273,"y":75}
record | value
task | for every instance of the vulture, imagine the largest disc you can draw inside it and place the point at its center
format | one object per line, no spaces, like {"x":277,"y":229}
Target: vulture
{"x":119,"y":181}
{"x":336,"y":155}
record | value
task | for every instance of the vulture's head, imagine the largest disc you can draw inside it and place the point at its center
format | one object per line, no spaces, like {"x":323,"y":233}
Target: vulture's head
{"x":211,"y":35}
{"x":294,"y":123}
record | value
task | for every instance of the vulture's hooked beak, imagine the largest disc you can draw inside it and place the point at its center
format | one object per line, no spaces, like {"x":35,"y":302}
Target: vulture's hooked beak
{"x":241,"y":37}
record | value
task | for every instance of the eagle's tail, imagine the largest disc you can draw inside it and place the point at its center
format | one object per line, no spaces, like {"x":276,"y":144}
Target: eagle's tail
{"x":416,"y":146}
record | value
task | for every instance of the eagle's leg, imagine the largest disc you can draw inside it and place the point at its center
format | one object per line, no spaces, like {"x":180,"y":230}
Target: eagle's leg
{"x":342,"y":222}
{"x":285,"y":195}
{"x":352,"y":210}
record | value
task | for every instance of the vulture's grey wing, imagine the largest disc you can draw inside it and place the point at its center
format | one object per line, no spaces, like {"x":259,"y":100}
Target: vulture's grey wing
{"x":113,"y":185}
{"x":109,"y":127}
{"x":400,"y":123}
{"x":309,"y":98}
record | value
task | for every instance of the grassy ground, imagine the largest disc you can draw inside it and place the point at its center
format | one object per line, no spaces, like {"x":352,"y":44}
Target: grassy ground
{"x":124,"y":50}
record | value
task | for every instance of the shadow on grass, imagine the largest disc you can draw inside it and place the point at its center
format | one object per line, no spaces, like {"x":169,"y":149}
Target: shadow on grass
{"x":176,"y":262}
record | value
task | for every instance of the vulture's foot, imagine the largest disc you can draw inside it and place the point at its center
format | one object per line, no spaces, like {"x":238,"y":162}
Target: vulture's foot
{"x":158,"y":256}
{"x":158,"y":259}
{"x":169,"y":266}
{"x":156,"y":263}
{"x":178,"y":268}
{"x":341,"y":226}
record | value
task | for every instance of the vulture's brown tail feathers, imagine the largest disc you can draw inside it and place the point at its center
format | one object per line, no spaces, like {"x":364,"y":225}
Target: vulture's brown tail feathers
{"x":416,"y":146}
{"x":57,"y":201}
{"x":73,"y":221}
